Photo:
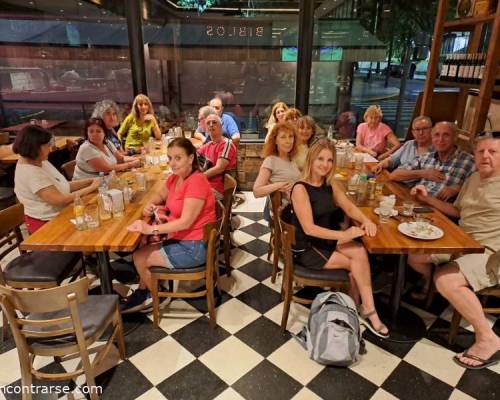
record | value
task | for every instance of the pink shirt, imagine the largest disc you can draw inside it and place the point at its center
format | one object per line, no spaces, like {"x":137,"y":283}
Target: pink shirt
{"x":376,"y":139}
{"x":196,"y":186}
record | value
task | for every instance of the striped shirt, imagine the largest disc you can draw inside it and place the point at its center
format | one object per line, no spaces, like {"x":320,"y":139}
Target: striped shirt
{"x":225,"y":149}
{"x":456,"y":169}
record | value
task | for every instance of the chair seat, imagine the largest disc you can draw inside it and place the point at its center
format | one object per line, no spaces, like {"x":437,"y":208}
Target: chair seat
{"x":163,"y":270}
{"x":94,"y":314}
{"x":41,"y":266}
{"x":323,"y":274}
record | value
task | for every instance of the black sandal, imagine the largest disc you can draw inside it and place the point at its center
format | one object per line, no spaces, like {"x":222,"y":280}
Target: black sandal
{"x":364,"y":318}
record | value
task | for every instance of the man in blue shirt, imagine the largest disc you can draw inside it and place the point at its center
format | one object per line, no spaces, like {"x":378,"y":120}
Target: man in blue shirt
{"x":229,"y":126}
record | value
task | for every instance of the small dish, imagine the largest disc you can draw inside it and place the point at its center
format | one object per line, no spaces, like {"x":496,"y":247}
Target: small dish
{"x":394,"y":212}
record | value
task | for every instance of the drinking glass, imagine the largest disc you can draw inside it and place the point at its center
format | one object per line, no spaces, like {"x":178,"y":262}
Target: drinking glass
{"x":422,"y":223}
{"x":358,"y":161}
{"x":379,"y":189}
{"x":187,"y":134}
{"x":384,"y":212}
{"x":340,"y":158}
{"x":140,"y":179}
{"x":92,"y":216}
{"x":408,"y":208}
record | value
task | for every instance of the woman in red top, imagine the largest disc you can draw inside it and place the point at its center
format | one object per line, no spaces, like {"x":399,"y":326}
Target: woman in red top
{"x":189,"y":205}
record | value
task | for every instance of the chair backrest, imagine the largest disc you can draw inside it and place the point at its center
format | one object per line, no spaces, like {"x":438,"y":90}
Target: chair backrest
{"x":211,"y":235}
{"x":61,"y":302}
{"x":69,"y":169}
{"x":275,"y":205}
{"x":229,"y":190}
{"x":11,"y":218}
{"x":287,"y":233}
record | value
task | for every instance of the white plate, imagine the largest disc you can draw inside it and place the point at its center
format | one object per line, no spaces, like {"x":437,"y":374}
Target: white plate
{"x":410,"y":229}
{"x":394,"y":212}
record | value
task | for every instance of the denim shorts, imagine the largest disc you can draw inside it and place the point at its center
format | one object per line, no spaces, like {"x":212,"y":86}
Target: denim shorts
{"x":180,"y":254}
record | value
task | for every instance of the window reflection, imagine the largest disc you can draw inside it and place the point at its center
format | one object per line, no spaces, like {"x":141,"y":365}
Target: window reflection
{"x":58,"y":58}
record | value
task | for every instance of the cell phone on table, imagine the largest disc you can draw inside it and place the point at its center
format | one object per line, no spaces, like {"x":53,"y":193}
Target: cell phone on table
{"x":422,"y":210}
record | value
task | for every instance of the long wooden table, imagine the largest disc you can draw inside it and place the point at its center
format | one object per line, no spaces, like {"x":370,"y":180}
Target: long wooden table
{"x":390,"y":241}
{"x":61,"y":143}
{"x":60,"y":234}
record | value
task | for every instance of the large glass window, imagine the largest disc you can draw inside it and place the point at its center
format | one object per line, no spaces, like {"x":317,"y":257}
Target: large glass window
{"x":353,"y":42}
{"x":243,"y":51}
{"x":57,"y":58}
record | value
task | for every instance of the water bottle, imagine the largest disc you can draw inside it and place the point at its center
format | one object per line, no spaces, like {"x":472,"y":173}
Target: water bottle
{"x":330,"y":132}
{"x":362,"y":187}
{"x":79,"y":211}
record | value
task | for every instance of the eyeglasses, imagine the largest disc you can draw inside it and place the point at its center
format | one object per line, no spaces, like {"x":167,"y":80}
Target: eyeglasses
{"x":421,"y":129}
{"x":492,"y":134}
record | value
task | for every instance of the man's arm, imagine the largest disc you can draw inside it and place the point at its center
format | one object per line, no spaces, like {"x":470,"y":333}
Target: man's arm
{"x":218,"y":168}
{"x":420,"y":192}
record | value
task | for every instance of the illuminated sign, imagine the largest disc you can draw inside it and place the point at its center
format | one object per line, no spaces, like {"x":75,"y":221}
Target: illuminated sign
{"x":242,"y":31}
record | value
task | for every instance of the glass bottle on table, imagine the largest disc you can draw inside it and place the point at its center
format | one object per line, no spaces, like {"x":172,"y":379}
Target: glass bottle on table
{"x":79,"y":212}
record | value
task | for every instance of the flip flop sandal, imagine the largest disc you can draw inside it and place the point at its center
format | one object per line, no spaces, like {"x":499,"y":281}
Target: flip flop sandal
{"x":494,"y":359}
{"x":364,"y":318}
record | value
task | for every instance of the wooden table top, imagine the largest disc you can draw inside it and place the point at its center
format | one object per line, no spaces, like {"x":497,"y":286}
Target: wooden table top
{"x":60,"y":234}
{"x":51,"y":123}
{"x":61,"y":143}
{"x":390,"y":241}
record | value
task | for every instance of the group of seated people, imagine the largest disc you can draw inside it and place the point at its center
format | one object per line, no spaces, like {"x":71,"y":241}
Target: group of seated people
{"x":302,"y":167}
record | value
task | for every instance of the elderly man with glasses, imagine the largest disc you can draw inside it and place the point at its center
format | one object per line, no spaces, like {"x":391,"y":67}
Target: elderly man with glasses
{"x":478,"y":207}
{"x":444,"y":169}
{"x":229,"y":127}
{"x":220,"y":154}
{"x":421,"y":128}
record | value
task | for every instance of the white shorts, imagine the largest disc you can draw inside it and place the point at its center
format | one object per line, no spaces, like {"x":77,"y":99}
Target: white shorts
{"x":473,"y":267}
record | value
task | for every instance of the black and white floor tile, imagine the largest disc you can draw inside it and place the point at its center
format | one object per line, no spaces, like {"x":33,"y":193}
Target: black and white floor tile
{"x":247,"y":357}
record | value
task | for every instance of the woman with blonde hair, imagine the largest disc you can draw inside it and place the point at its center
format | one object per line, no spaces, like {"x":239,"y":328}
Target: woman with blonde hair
{"x":306,"y":130}
{"x":373,"y":135}
{"x":277,"y":115}
{"x":317,"y":209}
{"x":140,"y":124}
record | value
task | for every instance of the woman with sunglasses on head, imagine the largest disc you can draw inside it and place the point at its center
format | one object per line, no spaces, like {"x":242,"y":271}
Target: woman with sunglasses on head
{"x":318,"y":208}
{"x":39,"y":186}
{"x":97,"y":154}
{"x":188,"y":197}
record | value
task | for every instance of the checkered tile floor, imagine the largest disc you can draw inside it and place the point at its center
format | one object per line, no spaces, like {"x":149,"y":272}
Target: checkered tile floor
{"x":247,"y":357}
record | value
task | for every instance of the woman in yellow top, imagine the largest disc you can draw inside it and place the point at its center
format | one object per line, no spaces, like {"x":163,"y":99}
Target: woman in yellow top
{"x":140,"y":124}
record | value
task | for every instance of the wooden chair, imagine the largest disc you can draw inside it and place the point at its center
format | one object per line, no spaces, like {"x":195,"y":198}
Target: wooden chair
{"x":275,"y":239}
{"x":69,"y":169}
{"x":484,"y":293}
{"x":229,"y":190}
{"x":209,"y":272}
{"x":34,"y":270}
{"x":332,"y":278}
{"x":59,"y":322}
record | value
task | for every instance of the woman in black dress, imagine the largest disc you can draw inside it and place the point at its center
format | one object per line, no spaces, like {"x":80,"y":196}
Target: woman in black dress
{"x":318,"y":207}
